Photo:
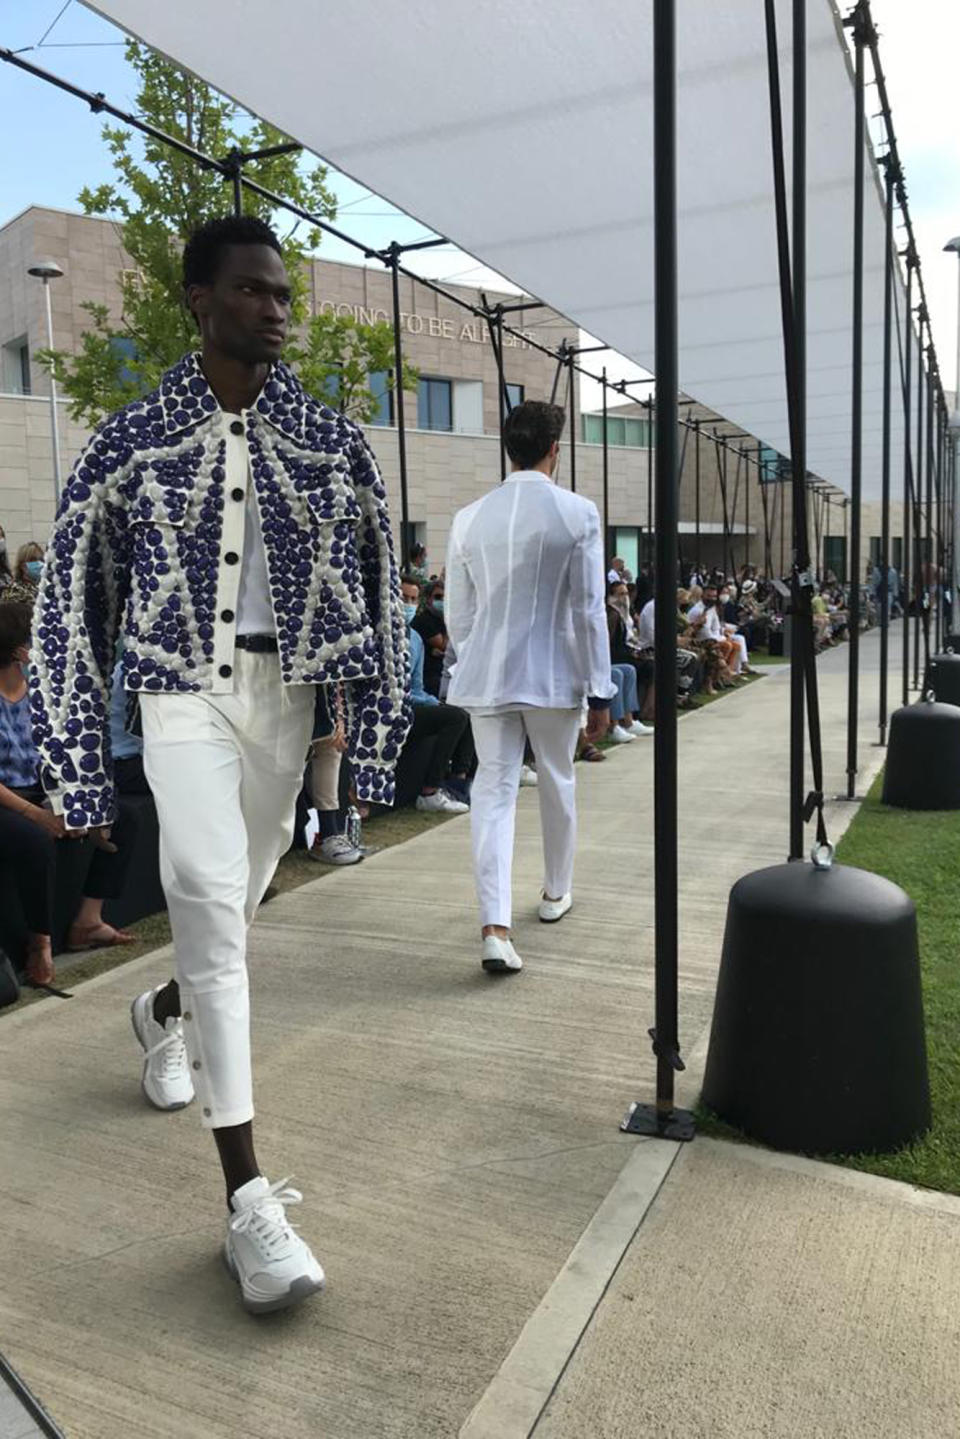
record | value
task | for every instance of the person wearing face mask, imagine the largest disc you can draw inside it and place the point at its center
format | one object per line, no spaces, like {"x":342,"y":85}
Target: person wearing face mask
{"x":26,"y":576}
{"x":6,"y":578}
{"x":626,"y":648}
{"x":429,"y":624}
{"x":446,"y":782}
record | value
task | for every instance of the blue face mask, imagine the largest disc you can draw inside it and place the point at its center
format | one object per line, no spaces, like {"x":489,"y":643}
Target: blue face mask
{"x":437,"y":606}
{"x":409,"y":613}
{"x":34,"y":569}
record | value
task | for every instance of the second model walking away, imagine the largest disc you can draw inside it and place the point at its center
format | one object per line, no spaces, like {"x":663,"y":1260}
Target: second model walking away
{"x":525,"y":615}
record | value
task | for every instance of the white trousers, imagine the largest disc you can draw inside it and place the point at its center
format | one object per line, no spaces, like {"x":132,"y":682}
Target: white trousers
{"x":225,"y":771}
{"x":493,"y":800}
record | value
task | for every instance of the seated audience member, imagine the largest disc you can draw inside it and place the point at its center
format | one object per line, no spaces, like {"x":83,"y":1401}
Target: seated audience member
{"x":453,"y":751}
{"x":625,"y":648}
{"x":729,"y":611}
{"x":30,"y":831}
{"x":822,"y":624}
{"x":22,"y":589}
{"x":6,"y":577}
{"x":418,"y":564}
{"x":625,"y":725}
{"x":332,"y":844}
{"x":721,"y":652}
{"x":429,"y":624}
{"x":617,"y":572}
{"x":127,"y":749}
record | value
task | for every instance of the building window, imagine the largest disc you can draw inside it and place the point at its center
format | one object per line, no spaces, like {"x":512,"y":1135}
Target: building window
{"x":16,"y":367}
{"x":624,"y":433}
{"x":380,"y":388}
{"x":626,"y":546}
{"x":435,"y":405}
{"x":514,"y":397}
{"x":835,"y":556}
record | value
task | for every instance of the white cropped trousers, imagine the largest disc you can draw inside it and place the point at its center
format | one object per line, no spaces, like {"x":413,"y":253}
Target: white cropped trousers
{"x":493,"y":801}
{"x":225,"y":771}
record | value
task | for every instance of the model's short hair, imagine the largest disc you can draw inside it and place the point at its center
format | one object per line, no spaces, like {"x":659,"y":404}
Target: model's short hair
{"x":529,"y":431}
{"x":15,"y":621}
{"x":203,"y":251}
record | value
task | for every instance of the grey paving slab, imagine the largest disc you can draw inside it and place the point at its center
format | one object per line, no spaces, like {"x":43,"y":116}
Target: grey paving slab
{"x":454,"y":1137}
{"x":771,"y":1297}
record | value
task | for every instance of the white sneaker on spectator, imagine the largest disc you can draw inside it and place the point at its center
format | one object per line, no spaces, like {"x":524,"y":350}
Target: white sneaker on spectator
{"x":638,"y":727}
{"x":528,"y":776}
{"x":265,"y":1255}
{"x":166,"y":1078}
{"x":621,"y":736}
{"x":553,"y":909}
{"x":499,"y":956}
{"x":441,"y":803}
{"x":335,"y":849}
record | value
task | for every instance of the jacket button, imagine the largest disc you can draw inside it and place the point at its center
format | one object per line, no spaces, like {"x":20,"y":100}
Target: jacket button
{"x":226,"y":671}
{"x":196,"y":1064}
{"x":231,"y":557}
{"x":236,"y":494}
{"x":236,"y":427}
{"x":227,"y":616}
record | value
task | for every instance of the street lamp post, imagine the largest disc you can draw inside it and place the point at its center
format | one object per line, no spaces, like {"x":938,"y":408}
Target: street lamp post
{"x":47,"y":270}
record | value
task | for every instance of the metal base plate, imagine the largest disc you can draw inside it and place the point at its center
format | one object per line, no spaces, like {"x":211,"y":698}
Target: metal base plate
{"x":648,"y":1119}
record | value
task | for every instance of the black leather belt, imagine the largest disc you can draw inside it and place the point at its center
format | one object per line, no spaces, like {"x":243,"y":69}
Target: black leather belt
{"x":257,"y":644}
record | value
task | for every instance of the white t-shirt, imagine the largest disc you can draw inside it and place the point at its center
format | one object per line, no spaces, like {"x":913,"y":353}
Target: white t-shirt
{"x":254,"y":611}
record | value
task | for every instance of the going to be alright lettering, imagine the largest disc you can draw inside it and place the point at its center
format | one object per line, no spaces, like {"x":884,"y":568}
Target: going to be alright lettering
{"x":472,"y":331}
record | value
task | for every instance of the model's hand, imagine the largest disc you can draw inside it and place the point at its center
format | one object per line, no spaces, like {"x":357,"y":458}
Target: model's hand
{"x":45,"y":819}
{"x":598,"y":722}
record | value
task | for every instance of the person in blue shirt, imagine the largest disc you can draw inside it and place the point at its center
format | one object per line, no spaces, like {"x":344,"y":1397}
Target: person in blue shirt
{"x":447,"y":778}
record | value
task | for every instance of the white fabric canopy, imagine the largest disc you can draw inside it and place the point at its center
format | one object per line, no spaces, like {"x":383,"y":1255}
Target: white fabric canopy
{"x":524,"y":133}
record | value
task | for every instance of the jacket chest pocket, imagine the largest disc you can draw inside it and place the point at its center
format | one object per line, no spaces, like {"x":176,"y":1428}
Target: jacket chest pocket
{"x":333,"y":505}
{"x":157,"y":522}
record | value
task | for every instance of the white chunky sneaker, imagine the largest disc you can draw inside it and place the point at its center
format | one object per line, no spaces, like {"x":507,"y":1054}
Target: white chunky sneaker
{"x":528,"y":776}
{"x":336,"y":849}
{"x":499,"y":956}
{"x":441,"y":803}
{"x":619,"y":735}
{"x":553,"y":909}
{"x":638,"y":728}
{"x":166,"y":1078}
{"x":265,"y":1255}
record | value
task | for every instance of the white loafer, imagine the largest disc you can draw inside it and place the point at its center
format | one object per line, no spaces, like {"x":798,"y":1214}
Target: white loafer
{"x":499,"y":956}
{"x":553,"y":909}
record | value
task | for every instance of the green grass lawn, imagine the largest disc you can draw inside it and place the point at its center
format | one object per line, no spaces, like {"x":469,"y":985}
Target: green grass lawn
{"x":919,"y":851}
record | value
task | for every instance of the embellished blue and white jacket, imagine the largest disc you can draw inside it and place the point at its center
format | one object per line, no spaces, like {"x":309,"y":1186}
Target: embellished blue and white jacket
{"x":142,"y":542}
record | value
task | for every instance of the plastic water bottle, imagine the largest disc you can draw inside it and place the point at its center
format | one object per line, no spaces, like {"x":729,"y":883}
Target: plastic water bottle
{"x":354,"y":828}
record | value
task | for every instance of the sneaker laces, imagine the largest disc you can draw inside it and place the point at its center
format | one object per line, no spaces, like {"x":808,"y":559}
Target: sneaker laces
{"x":174,"y":1050}
{"x":265,"y":1222}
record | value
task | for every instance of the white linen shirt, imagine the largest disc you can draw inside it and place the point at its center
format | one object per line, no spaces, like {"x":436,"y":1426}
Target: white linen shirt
{"x":524,"y":599}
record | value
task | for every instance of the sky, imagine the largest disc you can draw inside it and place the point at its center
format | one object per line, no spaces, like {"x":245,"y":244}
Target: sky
{"x":53,"y":147}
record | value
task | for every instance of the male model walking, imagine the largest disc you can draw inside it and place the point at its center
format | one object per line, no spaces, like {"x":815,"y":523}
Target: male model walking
{"x":525,"y":614}
{"x":236,"y":531}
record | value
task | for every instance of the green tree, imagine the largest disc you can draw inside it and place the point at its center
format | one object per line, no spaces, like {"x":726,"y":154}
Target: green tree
{"x":159,"y":196}
{"x":337,"y":357}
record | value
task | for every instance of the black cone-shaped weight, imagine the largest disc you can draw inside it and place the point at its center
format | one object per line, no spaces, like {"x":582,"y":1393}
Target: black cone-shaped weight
{"x":923,"y":757}
{"x":818,"y":1040}
{"x":943,"y":677}
{"x":952,"y":642}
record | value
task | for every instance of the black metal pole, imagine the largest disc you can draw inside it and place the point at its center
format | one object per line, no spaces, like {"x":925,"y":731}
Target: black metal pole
{"x":917,"y":510}
{"x":606,"y":478}
{"x":907,"y":540}
{"x":572,"y":423}
{"x":888,"y":277}
{"x":856,"y":404}
{"x":799,"y":457}
{"x":648,"y":547}
{"x":930,"y":568}
{"x":394,"y":254}
{"x":697,"y":478}
{"x":938,"y":631}
{"x":746,"y":519}
{"x":664,"y":1120}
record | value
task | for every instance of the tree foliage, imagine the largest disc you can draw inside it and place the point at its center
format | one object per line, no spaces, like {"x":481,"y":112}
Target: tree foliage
{"x":158,"y":197}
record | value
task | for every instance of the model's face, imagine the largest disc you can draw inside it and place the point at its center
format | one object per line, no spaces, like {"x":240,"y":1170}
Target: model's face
{"x":245,"y":312}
